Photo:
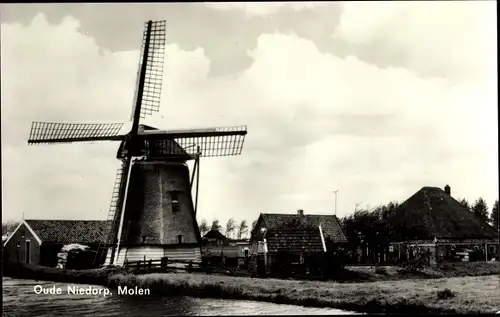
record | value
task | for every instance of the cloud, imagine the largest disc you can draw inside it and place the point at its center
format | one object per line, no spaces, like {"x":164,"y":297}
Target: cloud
{"x":441,"y":39}
{"x":317,"y":122}
{"x":263,"y":8}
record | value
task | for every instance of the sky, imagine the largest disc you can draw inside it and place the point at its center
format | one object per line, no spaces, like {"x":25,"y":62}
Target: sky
{"x":375,"y":100}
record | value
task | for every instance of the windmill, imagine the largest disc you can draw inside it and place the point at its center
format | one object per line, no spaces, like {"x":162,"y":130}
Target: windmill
{"x":152,"y":213}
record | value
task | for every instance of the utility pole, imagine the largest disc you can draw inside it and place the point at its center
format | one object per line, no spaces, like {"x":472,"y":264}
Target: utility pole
{"x":335,"y":192}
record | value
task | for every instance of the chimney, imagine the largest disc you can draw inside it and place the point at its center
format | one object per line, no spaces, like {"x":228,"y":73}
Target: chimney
{"x":300,"y":212}
{"x":447,"y":190}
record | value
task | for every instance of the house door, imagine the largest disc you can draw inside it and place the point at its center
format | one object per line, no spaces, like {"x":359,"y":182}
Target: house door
{"x":27,"y":259}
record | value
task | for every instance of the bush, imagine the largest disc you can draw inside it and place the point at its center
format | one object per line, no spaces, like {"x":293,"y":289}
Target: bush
{"x":420,"y":261}
{"x":446,"y":267}
{"x":468,"y":269}
{"x":445,"y":294}
{"x":381,"y":270}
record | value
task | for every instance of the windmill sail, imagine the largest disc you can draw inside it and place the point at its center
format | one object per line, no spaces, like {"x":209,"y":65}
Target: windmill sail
{"x":151,"y":93}
{"x":52,"y":132}
{"x":211,"y":142}
{"x":113,"y":219}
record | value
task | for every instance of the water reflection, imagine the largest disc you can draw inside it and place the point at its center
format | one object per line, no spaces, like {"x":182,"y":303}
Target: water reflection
{"x":19,"y":300}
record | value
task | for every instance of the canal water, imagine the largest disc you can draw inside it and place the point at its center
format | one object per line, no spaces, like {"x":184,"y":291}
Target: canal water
{"x":20,"y":300}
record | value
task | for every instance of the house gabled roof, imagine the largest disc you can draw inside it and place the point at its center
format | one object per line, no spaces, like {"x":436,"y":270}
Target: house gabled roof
{"x":330,"y":224}
{"x":431,"y":212}
{"x":37,"y":238}
{"x":295,"y":240}
{"x":215,"y":234}
{"x":70,"y":231}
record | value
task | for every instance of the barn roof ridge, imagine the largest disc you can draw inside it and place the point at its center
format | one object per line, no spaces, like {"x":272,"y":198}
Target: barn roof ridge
{"x":437,"y":214}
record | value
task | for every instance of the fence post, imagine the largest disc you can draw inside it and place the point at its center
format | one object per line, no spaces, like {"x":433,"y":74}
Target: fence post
{"x":164,"y":262}
{"x":150,"y":263}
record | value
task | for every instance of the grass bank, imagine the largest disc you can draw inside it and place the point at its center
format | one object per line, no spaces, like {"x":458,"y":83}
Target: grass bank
{"x":465,"y":295}
{"x":388,"y":273}
{"x":367,"y":290}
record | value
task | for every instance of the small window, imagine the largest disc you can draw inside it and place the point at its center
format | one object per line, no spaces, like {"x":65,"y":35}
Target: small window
{"x":180,"y":239}
{"x":174,"y":196}
{"x":144,"y":239}
{"x":18,"y":244}
{"x":23,"y":234}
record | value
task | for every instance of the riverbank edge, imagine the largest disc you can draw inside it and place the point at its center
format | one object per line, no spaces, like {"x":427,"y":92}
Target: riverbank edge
{"x":168,"y":285}
{"x":219,"y":290}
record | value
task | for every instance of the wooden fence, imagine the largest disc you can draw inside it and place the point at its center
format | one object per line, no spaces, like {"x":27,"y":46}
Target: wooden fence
{"x":159,"y":265}
{"x":165,"y":265}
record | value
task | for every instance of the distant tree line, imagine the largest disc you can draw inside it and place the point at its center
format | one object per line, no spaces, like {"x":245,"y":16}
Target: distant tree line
{"x":8,"y":227}
{"x":481,"y":210}
{"x":231,"y":230}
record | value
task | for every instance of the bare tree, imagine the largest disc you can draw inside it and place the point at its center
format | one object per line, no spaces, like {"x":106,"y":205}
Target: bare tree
{"x":253,"y":225}
{"x":8,"y":227}
{"x":242,"y":229}
{"x":230,"y":227}
{"x":216,"y":225}
{"x":204,"y":227}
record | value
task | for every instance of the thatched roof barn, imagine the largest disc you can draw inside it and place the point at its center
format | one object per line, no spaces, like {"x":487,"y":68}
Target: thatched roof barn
{"x":433,"y":213}
{"x":433,"y":220}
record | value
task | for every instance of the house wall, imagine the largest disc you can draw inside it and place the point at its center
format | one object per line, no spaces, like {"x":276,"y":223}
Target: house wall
{"x":242,"y":248}
{"x":13,"y":253}
{"x":217,"y":250}
{"x":139,"y":253}
{"x":230,"y":255}
{"x":441,"y":251}
{"x":184,"y":253}
{"x":230,"y":251}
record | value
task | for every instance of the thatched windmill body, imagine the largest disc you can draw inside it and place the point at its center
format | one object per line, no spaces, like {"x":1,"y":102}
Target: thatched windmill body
{"x":152,"y":213}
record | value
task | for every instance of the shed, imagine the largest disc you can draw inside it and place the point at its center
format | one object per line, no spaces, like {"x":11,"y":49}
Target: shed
{"x":38,"y":241}
{"x":217,"y":248}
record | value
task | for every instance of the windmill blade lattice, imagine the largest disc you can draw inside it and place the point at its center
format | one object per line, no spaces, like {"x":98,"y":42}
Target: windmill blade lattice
{"x":52,"y":132}
{"x":222,"y":141}
{"x":211,"y":146}
{"x":150,"y":101}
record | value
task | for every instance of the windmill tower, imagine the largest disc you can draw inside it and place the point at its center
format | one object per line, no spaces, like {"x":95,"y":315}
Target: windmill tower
{"x":152,"y":213}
